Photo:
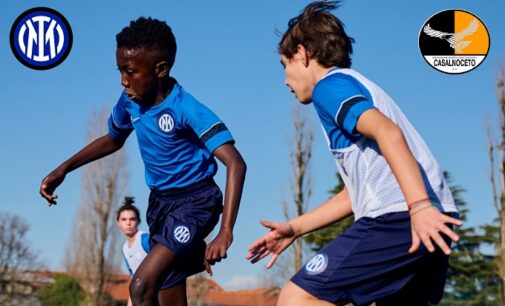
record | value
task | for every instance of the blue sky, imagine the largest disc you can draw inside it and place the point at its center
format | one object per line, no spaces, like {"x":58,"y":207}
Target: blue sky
{"x":227,"y":59}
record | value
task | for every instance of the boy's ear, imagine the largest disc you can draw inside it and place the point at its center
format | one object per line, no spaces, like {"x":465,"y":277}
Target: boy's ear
{"x":304,"y":54}
{"x":162,"y":69}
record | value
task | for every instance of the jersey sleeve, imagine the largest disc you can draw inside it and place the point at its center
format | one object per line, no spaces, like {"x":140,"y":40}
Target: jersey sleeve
{"x":209,"y":128}
{"x":340,"y":100}
{"x":144,"y":241}
{"x":120,"y":125}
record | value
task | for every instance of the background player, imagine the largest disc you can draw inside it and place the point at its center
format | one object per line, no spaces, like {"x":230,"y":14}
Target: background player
{"x":136,"y":246}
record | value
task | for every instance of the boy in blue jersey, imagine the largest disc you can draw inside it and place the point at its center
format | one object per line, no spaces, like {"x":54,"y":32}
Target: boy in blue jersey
{"x":136,"y":246}
{"x":393,"y":185}
{"x":178,"y":139}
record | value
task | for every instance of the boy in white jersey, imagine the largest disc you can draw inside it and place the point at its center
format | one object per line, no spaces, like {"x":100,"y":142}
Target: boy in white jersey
{"x":136,"y":246}
{"x":394,"y":186}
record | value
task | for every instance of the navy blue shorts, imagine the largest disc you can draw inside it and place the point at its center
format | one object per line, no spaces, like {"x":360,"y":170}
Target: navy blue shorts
{"x":180,"y":219}
{"x":370,"y":263}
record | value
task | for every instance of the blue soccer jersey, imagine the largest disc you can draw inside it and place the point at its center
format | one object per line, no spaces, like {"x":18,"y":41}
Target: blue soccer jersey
{"x":176,"y":138}
{"x":339,"y":99}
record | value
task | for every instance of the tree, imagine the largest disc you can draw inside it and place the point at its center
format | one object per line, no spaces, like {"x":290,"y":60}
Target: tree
{"x":65,"y":291}
{"x":300,"y":154}
{"x":496,"y":150}
{"x":472,"y":279}
{"x":92,"y":251}
{"x":16,"y":257}
{"x":322,"y":237}
{"x":301,"y":187}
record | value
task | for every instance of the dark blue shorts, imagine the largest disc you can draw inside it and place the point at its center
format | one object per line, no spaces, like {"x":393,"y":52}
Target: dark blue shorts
{"x":370,"y":262}
{"x":180,"y":219}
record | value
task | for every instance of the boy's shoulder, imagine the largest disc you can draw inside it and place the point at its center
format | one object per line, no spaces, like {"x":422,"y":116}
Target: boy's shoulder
{"x":186,"y":102}
{"x":340,"y":76}
{"x":143,"y":233}
{"x":338,"y":84}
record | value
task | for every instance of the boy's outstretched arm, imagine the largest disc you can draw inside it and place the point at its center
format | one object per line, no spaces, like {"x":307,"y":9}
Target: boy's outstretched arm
{"x":99,"y":148}
{"x":282,"y":234}
{"x":235,"y":176}
{"x":427,"y":224}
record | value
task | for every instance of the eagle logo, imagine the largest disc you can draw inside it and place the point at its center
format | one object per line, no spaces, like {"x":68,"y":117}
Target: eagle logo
{"x":455,"y":39}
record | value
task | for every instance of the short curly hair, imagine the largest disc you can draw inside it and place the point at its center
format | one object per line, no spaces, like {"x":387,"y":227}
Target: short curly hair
{"x":149,"y":34}
{"x":321,"y":33}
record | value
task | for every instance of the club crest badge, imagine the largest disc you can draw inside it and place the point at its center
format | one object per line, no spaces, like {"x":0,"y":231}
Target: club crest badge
{"x":454,"y":41}
{"x":41,"y":38}
{"x":166,"y":122}
{"x":317,"y":264}
{"x":182,"y":234}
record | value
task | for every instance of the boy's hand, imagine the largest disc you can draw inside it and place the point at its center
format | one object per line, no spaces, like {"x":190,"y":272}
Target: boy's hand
{"x":216,"y":250}
{"x":49,"y":184}
{"x":280,"y":236}
{"x":427,"y":225}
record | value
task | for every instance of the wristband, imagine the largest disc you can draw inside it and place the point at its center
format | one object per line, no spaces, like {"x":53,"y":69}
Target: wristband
{"x":413,"y":204}
{"x":422,"y":208}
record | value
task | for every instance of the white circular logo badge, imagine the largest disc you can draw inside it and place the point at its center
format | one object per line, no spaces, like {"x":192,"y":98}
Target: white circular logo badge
{"x":454,"y":41}
{"x":166,"y":123}
{"x":317,"y":264}
{"x":182,"y":234}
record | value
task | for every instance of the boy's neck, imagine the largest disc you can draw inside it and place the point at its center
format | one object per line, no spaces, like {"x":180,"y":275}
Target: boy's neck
{"x":131,"y":238}
{"x":317,"y":71}
{"x":165,"y":88}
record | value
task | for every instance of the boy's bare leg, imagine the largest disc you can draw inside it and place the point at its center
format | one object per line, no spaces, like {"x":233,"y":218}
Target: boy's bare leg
{"x":149,"y":277}
{"x":173,"y":296}
{"x":292,"y":295}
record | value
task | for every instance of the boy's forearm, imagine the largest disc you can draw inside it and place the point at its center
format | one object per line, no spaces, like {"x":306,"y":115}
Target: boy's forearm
{"x":235,"y":176}
{"x":331,"y":211}
{"x":97,"y":149}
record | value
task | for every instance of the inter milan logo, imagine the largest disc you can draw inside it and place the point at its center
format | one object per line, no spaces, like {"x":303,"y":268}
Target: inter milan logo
{"x":166,"y":123}
{"x":41,"y":38}
{"x":317,"y":264}
{"x":182,"y":234}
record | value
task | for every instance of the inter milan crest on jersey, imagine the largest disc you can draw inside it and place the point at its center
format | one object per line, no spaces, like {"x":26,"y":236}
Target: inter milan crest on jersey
{"x":41,"y":38}
{"x":182,"y":234}
{"x":454,"y":41}
{"x":166,"y":123}
{"x":317,"y":264}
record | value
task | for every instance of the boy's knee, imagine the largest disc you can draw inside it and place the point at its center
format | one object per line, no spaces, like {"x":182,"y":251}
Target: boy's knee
{"x":283,"y":299}
{"x":140,"y":290}
{"x":293,"y":295}
{"x":288,"y":296}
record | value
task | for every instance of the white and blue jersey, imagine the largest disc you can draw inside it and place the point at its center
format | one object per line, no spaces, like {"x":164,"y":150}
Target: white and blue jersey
{"x":176,"y":138}
{"x":339,"y":99}
{"x":134,"y":255}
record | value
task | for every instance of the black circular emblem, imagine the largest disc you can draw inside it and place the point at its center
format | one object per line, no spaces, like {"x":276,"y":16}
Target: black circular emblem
{"x":454,"y":41}
{"x":41,"y":38}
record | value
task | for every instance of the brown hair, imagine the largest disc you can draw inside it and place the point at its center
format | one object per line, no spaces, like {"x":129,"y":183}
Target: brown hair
{"x":321,"y":33}
{"x":128,"y":205}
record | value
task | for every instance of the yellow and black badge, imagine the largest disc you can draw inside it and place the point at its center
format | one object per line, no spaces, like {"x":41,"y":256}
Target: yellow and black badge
{"x":454,"y":41}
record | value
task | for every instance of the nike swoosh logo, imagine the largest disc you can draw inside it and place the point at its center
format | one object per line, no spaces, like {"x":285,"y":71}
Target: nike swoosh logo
{"x":134,"y":119}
